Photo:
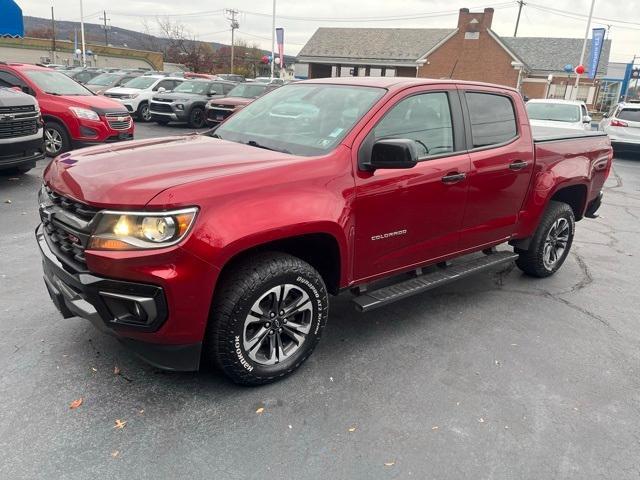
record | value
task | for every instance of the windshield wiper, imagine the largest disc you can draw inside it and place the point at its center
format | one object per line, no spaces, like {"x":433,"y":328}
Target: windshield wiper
{"x":253,"y":143}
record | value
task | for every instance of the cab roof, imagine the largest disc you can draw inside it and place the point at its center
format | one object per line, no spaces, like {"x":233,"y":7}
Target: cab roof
{"x":398,"y":82}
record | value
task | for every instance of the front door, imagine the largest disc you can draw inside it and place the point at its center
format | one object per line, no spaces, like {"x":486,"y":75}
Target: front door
{"x":406,"y":217}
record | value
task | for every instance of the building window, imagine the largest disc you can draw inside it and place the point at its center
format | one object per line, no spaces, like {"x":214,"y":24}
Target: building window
{"x":558,"y":91}
{"x":583,"y":92}
{"x":389,"y":72}
{"x":493,"y":119}
{"x":375,"y":72}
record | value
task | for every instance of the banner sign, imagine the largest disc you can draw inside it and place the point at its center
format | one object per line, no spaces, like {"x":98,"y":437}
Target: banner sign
{"x":597,"y":42}
{"x":280,"y":40}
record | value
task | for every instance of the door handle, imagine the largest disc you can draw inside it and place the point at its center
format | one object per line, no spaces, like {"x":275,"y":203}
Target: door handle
{"x":518,"y":165}
{"x":454,"y":177}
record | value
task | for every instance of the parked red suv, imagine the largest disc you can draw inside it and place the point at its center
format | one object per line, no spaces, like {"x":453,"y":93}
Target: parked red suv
{"x":73,"y":115}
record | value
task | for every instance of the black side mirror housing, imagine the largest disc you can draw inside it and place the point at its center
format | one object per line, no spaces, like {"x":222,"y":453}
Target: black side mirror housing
{"x":393,"y":153}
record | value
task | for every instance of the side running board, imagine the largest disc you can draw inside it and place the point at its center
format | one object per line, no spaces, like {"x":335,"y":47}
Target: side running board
{"x":377,"y":298}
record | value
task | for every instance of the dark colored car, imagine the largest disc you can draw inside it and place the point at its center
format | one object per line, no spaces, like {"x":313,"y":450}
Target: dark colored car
{"x":217,"y":110}
{"x":83,"y":75}
{"x":224,"y":247}
{"x":73,"y":116}
{"x":21,"y":132}
{"x":187,"y":101}
{"x":105,"y":81}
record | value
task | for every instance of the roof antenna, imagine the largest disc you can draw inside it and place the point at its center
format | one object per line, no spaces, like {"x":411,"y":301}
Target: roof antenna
{"x":453,"y":69}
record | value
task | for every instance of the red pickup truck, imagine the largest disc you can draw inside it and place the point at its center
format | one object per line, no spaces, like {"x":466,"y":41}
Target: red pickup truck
{"x":225,"y":246}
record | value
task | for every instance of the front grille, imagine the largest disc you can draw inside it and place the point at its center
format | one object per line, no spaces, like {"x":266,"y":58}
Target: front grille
{"x":116,"y":95}
{"x":19,"y":109}
{"x":166,"y":100}
{"x":119,"y":121}
{"x":67,"y":242}
{"x":18,"y":128}
{"x":161,"y":107}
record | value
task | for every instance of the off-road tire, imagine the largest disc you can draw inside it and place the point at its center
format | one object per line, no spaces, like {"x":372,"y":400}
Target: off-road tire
{"x":238,"y":291}
{"x":531,"y":261}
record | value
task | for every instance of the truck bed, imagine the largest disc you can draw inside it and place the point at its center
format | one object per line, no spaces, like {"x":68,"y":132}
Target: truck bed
{"x":552,"y":134}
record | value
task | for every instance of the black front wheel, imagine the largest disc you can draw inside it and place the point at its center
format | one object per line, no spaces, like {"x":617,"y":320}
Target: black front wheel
{"x":56,"y":139}
{"x":143,"y":113}
{"x":267,"y":318}
{"x":196,"y":118}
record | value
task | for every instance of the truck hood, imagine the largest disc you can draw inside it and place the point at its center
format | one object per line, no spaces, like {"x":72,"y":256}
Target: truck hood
{"x":130,"y":174}
{"x":124,"y":90}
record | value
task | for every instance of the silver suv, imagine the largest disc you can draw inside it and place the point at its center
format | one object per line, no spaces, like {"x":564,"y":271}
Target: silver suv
{"x":622,"y":124}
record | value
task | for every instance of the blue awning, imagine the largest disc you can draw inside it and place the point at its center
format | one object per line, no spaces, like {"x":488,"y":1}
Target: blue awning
{"x":11,"y":23}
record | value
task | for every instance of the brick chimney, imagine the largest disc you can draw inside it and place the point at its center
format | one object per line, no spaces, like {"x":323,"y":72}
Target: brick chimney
{"x":475,"y":22}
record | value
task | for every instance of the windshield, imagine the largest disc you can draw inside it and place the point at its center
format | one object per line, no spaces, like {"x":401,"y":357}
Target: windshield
{"x":141,"y":82}
{"x":557,"y":112}
{"x":56,"y":83}
{"x":247,"y":90}
{"x":199,"y":88}
{"x":303,"y":119}
{"x":104,"y":79}
{"x":630,"y":114}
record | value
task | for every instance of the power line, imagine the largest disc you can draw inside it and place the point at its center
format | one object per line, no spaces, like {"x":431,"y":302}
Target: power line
{"x":579,"y":16}
{"x":520,"y":5}
{"x":105,"y":27}
{"x":234,"y":26}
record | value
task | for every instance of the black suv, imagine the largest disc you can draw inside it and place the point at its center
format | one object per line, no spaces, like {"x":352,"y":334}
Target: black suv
{"x":21,"y":131}
{"x":186,"y":102}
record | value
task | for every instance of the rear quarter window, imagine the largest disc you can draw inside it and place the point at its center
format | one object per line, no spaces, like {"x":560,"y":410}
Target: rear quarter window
{"x":493,"y":119}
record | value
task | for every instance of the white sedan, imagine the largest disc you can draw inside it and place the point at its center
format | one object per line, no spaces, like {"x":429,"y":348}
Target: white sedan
{"x":622,"y":125}
{"x":559,"y":113}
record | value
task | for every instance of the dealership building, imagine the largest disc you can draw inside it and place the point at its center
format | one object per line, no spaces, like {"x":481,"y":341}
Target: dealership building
{"x":470,"y":51}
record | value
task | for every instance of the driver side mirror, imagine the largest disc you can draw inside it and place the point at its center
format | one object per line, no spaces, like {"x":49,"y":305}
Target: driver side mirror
{"x":586,"y":119}
{"x":212,"y":93}
{"x":393,"y":153}
{"x":162,"y":89}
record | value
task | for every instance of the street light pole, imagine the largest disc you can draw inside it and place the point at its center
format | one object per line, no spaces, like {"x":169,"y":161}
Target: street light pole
{"x":273,"y":40}
{"x":84,"y":55}
{"x":584,"y":49}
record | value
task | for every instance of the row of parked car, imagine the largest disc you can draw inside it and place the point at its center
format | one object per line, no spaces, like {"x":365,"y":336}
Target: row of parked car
{"x":45,"y":111}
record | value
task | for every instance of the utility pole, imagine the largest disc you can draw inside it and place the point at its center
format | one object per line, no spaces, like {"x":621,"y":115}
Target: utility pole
{"x":105,"y":27}
{"x":53,"y":37}
{"x":273,"y":40}
{"x":234,"y":25}
{"x":574,"y":95}
{"x":84,"y":50}
{"x":520,"y":5}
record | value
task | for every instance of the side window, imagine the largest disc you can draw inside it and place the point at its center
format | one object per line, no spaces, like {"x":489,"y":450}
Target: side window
{"x":226,"y":88}
{"x":10,"y":80}
{"x":175,"y":83}
{"x":215,"y":89}
{"x":166,"y":84}
{"x":424,"y":118}
{"x":493,"y":119}
{"x":584,"y":111}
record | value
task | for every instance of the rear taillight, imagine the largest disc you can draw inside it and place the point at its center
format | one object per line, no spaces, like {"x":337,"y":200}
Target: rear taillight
{"x":618,"y":123}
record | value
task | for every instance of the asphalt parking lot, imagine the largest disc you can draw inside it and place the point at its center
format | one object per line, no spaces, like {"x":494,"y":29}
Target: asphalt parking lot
{"x":499,"y":376}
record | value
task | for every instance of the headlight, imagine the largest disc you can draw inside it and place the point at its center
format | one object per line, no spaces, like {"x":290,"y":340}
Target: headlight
{"x":133,"y":95}
{"x":84,"y":113}
{"x":140,"y":230}
{"x":179,"y":106}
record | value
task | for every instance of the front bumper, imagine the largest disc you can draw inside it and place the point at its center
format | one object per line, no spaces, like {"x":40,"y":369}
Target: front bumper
{"x":22,"y":153}
{"x":115,"y":307}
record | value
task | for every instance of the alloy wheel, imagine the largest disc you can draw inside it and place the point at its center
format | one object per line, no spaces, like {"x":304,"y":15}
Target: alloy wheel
{"x":145,"y":113}
{"x":277,"y":324}
{"x":556,"y":242}
{"x":52,"y":141}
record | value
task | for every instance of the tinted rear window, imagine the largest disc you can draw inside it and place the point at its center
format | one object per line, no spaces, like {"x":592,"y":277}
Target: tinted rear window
{"x":493,"y":119}
{"x":630,"y":114}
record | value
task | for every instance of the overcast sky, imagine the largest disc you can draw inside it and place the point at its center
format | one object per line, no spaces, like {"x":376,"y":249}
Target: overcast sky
{"x":207,"y":19}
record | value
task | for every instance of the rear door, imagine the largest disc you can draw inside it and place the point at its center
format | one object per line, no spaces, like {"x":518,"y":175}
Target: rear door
{"x":501,"y":152}
{"x":406,"y":217}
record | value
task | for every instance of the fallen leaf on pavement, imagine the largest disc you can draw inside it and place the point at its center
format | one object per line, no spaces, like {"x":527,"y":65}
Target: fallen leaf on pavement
{"x":116,"y":371}
{"x":94,"y":369}
{"x":260,"y":410}
{"x":435,"y":427}
{"x":115,"y":453}
{"x":352,"y":429}
{"x":75,"y":404}
{"x":120,"y":424}
{"x":481,"y":420}
{"x":141,"y":411}
{"x":390,"y":464}
{"x":7,"y":201}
